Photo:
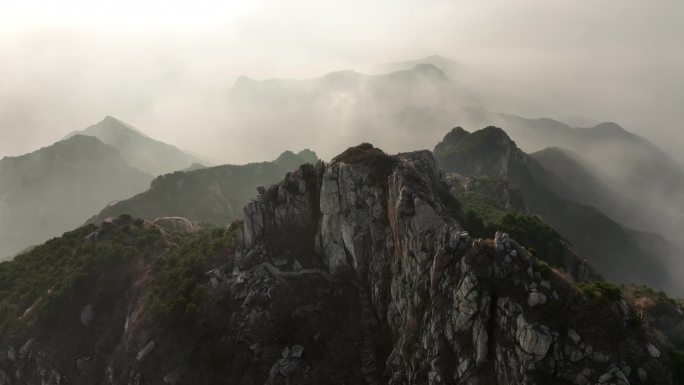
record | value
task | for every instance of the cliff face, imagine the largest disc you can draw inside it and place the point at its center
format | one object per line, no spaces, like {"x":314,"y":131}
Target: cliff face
{"x":352,"y":272}
{"x":459,"y":310}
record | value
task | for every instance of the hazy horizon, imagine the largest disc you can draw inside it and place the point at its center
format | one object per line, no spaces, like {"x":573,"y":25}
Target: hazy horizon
{"x":166,"y":68}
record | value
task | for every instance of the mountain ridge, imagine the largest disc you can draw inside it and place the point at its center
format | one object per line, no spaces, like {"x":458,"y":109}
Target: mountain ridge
{"x":55,"y":188}
{"x":207,"y":195}
{"x":354,"y":271}
{"x":490,"y":152}
{"x":141,"y":151}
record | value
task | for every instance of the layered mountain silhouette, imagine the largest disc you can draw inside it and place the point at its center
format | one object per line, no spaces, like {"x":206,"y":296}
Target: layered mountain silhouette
{"x":618,"y":252}
{"x":356,"y":271}
{"x":649,"y":182}
{"x":452,"y":68}
{"x":348,"y":106}
{"x":213,"y":195}
{"x":54,"y":189}
{"x":139,"y":150}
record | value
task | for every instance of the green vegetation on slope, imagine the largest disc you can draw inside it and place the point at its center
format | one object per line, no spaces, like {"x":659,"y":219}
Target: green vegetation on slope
{"x":604,"y":292}
{"x":490,"y":197}
{"x":55,"y":189}
{"x":42,"y":283}
{"x":176,"y":292}
{"x":213,"y":195}
{"x":477,"y":153}
{"x":617,"y":252}
{"x":481,"y":216}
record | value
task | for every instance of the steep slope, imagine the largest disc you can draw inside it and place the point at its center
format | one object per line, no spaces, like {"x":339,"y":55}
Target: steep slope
{"x":141,"y":151}
{"x":615,"y":250}
{"x":650,"y":179}
{"x":350,"y":272}
{"x":212,"y":195}
{"x":54,"y":189}
{"x":573,"y":179}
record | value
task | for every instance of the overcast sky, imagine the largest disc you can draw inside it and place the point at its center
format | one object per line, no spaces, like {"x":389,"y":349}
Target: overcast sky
{"x":163,"y":66}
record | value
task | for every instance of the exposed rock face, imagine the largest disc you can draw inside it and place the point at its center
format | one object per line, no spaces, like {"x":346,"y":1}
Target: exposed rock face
{"x":289,"y":206}
{"x":460,"y":310}
{"x":354,"y":273}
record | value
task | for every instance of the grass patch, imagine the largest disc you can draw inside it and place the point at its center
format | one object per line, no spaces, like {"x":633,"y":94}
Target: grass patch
{"x":544,"y":269}
{"x":529,"y":231}
{"x":603,"y":292}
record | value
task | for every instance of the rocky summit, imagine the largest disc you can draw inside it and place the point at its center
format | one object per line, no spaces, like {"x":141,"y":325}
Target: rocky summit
{"x":352,"y":272}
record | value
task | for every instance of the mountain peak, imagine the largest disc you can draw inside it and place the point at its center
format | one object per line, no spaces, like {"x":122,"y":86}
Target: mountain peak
{"x":290,"y":160}
{"x":483,"y":152}
{"x":456,"y":134}
{"x":419,"y":72}
{"x":429,"y":69}
{"x":308,"y":155}
{"x":458,"y":139}
{"x":243,"y":81}
{"x":112,"y":124}
{"x":109,"y":118}
{"x":435,"y":57}
{"x":610,"y":127}
{"x":494,"y":132}
{"x":138,"y":149}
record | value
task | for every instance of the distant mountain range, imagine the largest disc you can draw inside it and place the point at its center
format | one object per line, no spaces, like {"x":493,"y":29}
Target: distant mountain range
{"x":619,"y":252}
{"x":59,"y":187}
{"x":481,"y":262}
{"x":646,"y":183}
{"x":54,"y":189}
{"x":213,"y":195}
{"x":139,"y":150}
{"x":345,"y":107}
{"x":359,"y":271}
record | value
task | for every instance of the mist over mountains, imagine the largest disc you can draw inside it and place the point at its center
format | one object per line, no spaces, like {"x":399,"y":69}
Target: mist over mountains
{"x":212,"y":195}
{"x":54,"y":189}
{"x":139,"y":150}
{"x":521,"y":251}
{"x":343,"y":193}
{"x":104,"y":166}
{"x":623,"y":175}
{"x":619,"y":253}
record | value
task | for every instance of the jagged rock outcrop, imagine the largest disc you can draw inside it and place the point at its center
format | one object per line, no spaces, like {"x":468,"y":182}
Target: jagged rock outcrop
{"x":460,"y":310}
{"x":352,"y":272}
